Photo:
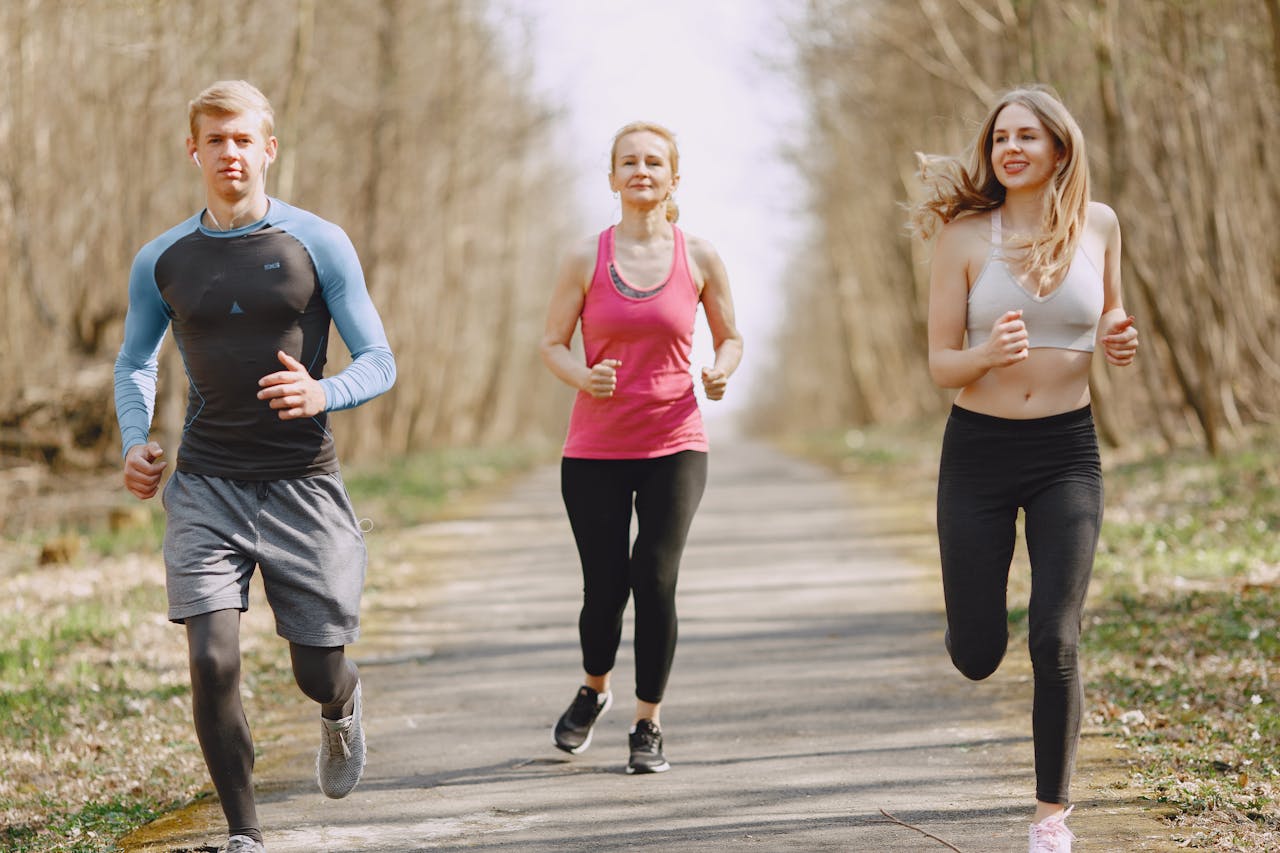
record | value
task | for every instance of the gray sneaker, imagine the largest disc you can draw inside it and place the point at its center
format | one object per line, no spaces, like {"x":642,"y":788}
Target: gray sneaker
{"x":242,"y":844}
{"x":340,"y":762}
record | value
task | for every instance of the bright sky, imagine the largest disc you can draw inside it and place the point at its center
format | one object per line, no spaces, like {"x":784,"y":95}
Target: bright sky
{"x":712,"y":71}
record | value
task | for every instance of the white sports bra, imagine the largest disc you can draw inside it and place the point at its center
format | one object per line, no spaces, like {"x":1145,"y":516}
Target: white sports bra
{"x":1067,"y":318}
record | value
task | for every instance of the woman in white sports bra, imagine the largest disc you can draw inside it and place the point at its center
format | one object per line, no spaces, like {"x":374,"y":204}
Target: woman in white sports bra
{"x":1025,"y":281}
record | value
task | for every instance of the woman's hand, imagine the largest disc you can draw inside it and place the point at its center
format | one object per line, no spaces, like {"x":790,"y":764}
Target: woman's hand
{"x":714,"y":381}
{"x":1120,"y":343}
{"x":603,"y":378}
{"x":1008,"y":341}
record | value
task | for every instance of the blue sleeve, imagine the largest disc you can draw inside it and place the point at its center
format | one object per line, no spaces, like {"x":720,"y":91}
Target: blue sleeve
{"x":137,"y":365}
{"x":373,"y":367}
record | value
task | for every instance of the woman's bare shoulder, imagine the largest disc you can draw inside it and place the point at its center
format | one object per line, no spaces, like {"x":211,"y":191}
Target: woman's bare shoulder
{"x":1102,"y":218}
{"x":967,"y":236}
{"x":699,"y":247}
{"x":976,"y":225}
{"x":705,"y":261}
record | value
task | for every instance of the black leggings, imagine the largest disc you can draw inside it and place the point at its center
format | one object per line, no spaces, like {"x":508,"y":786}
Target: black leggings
{"x":325,"y":675}
{"x":599,"y":494}
{"x":1050,"y":468}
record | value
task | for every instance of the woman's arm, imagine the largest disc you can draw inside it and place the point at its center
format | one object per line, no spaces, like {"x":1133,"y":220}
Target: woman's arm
{"x":717,"y":304}
{"x":950,"y":364}
{"x":1118,"y":335}
{"x":563,"y":315}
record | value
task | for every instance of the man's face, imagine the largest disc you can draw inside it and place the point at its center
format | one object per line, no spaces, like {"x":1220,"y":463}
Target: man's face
{"x":233,"y":152}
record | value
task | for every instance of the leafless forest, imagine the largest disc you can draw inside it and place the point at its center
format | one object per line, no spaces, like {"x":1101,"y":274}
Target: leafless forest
{"x":1180,"y":105}
{"x":409,"y":124}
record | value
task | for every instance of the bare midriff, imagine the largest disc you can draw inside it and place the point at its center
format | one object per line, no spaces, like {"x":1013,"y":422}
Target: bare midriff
{"x":1049,"y":382}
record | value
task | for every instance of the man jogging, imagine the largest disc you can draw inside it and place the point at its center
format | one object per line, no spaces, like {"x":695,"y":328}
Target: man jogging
{"x":249,"y":286}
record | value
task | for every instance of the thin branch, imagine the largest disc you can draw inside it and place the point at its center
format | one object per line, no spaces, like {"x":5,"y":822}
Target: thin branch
{"x":912,"y":51}
{"x":950,"y":47}
{"x":1007,"y":13}
{"x":943,"y":842}
{"x":1273,"y":11}
{"x":984,"y":18}
{"x":299,"y":74}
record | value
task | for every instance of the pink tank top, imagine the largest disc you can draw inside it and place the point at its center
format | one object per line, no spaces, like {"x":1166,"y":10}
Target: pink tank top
{"x":653,"y":411}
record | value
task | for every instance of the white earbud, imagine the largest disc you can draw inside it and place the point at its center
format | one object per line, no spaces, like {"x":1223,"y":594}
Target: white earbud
{"x":195,"y":157}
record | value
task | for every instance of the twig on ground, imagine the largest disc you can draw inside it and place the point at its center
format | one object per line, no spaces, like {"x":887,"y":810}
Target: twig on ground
{"x":943,"y":842}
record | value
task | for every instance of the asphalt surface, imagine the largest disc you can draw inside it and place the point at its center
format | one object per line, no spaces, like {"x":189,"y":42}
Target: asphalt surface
{"x":811,"y":695}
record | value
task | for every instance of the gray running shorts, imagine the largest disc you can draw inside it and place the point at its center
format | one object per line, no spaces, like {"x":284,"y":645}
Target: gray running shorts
{"x":303,"y":534}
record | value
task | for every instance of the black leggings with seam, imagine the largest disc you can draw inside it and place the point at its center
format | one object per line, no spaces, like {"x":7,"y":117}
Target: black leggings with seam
{"x":325,"y":675}
{"x":599,"y":495}
{"x":1049,"y":467}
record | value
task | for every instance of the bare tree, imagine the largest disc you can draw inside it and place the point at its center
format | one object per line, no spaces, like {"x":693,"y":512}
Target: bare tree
{"x":408,"y":123}
{"x":1197,"y":204}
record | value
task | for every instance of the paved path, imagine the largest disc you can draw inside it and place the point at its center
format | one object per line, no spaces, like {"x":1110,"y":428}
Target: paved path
{"x":810,"y":691}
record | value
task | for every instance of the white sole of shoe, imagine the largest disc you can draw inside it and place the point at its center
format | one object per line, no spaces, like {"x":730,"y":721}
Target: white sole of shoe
{"x":661,"y":768}
{"x":608,"y":703}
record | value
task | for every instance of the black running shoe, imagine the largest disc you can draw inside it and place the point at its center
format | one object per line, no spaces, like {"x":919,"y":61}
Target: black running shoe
{"x":646,"y":749}
{"x":573,"y":730}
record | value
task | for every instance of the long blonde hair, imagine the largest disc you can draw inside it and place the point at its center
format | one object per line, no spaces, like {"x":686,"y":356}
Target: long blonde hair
{"x":955,"y":190}
{"x":673,"y":211}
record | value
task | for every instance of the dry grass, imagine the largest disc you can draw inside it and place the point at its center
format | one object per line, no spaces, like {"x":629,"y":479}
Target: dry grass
{"x":97,"y":697}
{"x":93,"y":677}
{"x":1184,"y":639}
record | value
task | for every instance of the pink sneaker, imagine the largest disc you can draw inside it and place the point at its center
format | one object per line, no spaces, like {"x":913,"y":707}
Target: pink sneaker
{"x":1051,"y":834}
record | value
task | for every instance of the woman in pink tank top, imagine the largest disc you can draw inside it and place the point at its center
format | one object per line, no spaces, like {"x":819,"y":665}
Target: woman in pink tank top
{"x":635,"y":438}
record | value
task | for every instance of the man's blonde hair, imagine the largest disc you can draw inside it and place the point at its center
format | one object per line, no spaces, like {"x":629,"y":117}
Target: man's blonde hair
{"x":231,"y":97}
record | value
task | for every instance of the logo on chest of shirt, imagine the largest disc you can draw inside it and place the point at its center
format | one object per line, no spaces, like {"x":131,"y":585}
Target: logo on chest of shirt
{"x":235,"y":306}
